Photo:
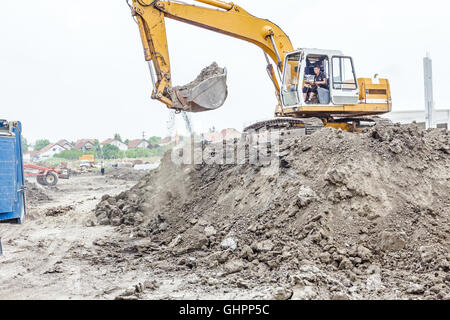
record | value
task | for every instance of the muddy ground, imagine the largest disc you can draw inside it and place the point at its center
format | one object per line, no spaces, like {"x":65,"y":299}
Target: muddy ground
{"x":55,"y":255}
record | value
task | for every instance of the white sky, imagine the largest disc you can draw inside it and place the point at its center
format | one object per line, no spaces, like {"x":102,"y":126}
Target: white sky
{"x":75,"y":69}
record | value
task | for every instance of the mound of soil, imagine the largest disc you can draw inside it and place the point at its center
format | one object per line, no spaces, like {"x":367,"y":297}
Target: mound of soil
{"x":344,"y":216}
{"x":36,"y":194}
{"x":127,"y":174}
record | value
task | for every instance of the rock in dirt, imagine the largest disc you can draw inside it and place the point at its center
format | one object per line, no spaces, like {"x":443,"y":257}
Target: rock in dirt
{"x":305,"y":196}
{"x":303,"y":293}
{"x":191,"y":241}
{"x":58,"y":211}
{"x":282,"y":294}
{"x":229,"y":243}
{"x":233,"y":266}
{"x":263,"y":246}
{"x":415,"y":289}
{"x":393,"y":241}
{"x":210,"y":231}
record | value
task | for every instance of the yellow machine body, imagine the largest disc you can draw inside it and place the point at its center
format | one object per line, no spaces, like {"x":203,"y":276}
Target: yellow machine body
{"x":349,"y":98}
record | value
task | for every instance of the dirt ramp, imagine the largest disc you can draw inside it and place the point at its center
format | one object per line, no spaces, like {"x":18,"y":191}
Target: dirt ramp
{"x":344,"y":216}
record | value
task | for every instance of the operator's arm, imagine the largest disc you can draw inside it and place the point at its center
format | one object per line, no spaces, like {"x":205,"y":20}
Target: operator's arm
{"x":323,"y":81}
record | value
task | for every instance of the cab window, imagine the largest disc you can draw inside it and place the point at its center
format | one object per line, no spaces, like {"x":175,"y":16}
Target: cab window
{"x":290,"y":80}
{"x":343,"y":74}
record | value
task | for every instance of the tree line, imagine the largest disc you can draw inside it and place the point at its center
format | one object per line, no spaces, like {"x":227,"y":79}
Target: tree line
{"x":108,"y":151}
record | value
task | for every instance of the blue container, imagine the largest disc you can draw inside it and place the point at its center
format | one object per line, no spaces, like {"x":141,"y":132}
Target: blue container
{"x":12,"y":180}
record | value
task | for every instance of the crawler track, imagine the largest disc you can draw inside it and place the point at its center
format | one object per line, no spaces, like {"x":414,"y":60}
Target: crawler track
{"x":310,"y":124}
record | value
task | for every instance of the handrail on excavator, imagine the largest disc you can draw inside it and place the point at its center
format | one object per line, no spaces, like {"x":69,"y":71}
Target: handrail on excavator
{"x":217,"y":3}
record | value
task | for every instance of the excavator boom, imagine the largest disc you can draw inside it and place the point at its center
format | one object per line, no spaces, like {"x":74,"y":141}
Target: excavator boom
{"x":226,"y":18}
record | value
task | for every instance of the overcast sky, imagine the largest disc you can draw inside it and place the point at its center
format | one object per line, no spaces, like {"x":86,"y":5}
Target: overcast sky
{"x":75,"y":69}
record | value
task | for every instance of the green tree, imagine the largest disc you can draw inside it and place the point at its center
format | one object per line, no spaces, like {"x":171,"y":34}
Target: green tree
{"x":154,"y":140}
{"x":130,"y":153}
{"x":118,"y":137}
{"x":40,"y":144}
{"x":111,"y":152}
{"x":24,"y":145}
{"x":97,"y":149}
{"x":72,"y":154}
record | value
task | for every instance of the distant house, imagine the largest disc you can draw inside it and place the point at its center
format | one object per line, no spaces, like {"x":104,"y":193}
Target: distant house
{"x":166,"y":141}
{"x":122,"y":146}
{"x":230,"y":134}
{"x":139,"y":143}
{"x":212,"y":136}
{"x":225,"y":134}
{"x":85,"y":144}
{"x":65,"y":144}
{"x":31,"y":156}
{"x":49,"y":151}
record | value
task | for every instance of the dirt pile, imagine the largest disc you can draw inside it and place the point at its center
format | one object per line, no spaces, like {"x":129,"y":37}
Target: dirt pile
{"x":58,"y":211}
{"x":127,"y":174}
{"x":36,"y":194}
{"x":343,"y":216}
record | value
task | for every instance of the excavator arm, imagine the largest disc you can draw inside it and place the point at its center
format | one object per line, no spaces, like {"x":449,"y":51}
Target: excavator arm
{"x":226,"y":18}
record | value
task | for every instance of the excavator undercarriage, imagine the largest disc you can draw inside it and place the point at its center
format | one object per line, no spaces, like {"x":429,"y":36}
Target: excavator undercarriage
{"x":311,"y":125}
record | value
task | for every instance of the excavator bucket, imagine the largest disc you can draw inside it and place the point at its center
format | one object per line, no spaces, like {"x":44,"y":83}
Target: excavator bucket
{"x":208,"y":92}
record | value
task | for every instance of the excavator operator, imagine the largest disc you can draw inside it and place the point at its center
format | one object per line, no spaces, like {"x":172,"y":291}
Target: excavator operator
{"x":320,"y":81}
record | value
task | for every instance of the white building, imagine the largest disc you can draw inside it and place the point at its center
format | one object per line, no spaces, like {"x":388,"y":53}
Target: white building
{"x":139,"y":143}
{"x":441,"y":117}
{"x":49,"y":151}
{"x":122,"y":146}
{"x":65,"y":144}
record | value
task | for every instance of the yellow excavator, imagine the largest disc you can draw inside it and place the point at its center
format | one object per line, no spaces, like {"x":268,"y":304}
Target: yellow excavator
{"x":344,"y":102}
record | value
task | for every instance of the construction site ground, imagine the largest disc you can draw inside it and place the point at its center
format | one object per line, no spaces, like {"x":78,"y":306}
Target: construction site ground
{"x":45,"y":257}
{"x":338,"y":215}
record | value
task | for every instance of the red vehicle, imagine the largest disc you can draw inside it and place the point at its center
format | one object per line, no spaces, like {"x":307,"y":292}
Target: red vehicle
{"x":45,"y":176}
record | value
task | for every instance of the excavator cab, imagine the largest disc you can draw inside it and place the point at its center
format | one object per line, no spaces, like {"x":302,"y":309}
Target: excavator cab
{"x":299,"y":76}
{"x":342,"y":95}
